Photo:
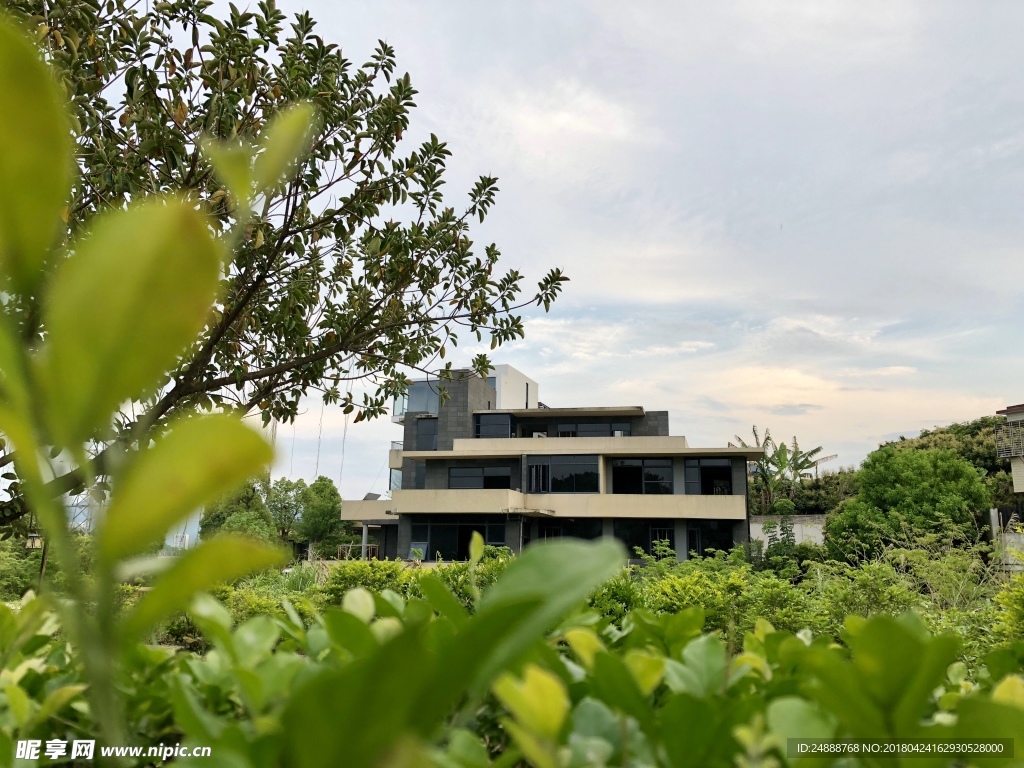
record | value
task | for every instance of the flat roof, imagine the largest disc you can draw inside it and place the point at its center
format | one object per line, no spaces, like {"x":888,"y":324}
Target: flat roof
{"x":1011,"y":409}
{"x":621,"y":450}
{"x":624,"y":411}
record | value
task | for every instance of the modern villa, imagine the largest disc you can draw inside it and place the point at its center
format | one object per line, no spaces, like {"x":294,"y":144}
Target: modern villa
{"x":492,"y":458}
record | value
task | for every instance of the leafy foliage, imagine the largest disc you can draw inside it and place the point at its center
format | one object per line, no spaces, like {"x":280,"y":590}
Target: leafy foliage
{"x":348,"y":263}
{"x":904,"y":494}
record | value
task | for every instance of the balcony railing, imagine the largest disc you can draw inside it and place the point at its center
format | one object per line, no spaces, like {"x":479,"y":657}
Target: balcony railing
{"x":1010,"y":439}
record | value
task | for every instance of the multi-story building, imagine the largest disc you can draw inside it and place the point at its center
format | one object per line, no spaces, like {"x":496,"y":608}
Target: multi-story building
{"x":494,"y":459}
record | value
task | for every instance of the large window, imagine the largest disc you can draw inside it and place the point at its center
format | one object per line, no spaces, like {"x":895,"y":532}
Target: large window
{"x":643,"y":534}
{"x":563,"y":474}
{"x":426,"y":434}
{"x":709,"y":477}
{"x":449,"y":540}
{"x":493,"y":425}
{"x":423,"y":397}
{"x":480,"y":477}
{"x":652,"y":476}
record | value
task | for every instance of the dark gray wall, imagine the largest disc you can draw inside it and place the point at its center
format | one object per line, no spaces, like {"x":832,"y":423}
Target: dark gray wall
{"x":653,"y":424}
{"x":404,"y":536}
{"x":455,"y":421}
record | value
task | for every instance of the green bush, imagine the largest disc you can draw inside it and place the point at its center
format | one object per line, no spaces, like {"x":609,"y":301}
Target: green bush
{"x":19,"y":569}
{"x":619,"y":595}
{"x":374,"y":575}
{"x":1010,"y":599}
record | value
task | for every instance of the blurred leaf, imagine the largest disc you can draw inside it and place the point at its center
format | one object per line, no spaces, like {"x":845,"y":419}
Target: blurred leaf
{"x":558,"y":575}
{"x":37,"y":158}
{"x":285,"y":142}
{"x":791,"y":717}
{"x":702,"y":672}
{"x":186,"y":468}
{"x":232,"y":163}
{"x":360,"y":603}
{"x":122,"y":308}
{"x":1010,"y":691}
{"x":538,"y":700}
{"x":476,"y":548}
{"x":213,"y":562}
{"x":585,"y":644}
{"x":55,"y":701}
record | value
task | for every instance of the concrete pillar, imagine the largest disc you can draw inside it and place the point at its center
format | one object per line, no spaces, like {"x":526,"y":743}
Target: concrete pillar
{"x":608,"y":527}
{"x":682,"y":541}
{"x":514,"y":534}
{"x":366,"y":542}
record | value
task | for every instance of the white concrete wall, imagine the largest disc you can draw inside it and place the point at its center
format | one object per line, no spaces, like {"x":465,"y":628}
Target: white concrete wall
{"x":809,"y":528}
{"x":511,"y":387}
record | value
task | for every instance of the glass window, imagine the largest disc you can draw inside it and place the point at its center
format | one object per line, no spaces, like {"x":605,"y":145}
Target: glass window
{"x":495,"y":535}
{"x":623,"y":427}
{"x":480,"y":477}
{"x":563,"y":474}
{"x":494,"y":425}
{"x":426,"y":434}
{"x":567,"y":430}
{"x":465,"y":477}
{"x":423,"y":397}
{"x":497,"y":477}
{"x":642,"y":476}
{"x":594,"y":430}
{"x":709,"y":477}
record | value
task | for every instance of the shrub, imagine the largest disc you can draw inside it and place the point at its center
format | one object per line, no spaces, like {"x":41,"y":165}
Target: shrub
{"x":618,"y":596}
{"x":375,"y":575}
{"x":19,"y":569}
{"x":717,"y":592}
{"x":1010,"y":599}
{"x":783,"y":604}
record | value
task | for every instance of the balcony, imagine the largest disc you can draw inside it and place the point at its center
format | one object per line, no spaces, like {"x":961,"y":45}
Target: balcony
{"x":502,"y":501}
{"x":1009,"y":439}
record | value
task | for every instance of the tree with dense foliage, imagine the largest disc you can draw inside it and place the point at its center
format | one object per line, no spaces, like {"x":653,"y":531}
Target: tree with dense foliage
{"x":821,"y":494}
{"x":903,"y":495}
{"x":284,"y":500}
{"x":355,"y":267}
{"x":321,"y":512}
{"x":247,"y":503}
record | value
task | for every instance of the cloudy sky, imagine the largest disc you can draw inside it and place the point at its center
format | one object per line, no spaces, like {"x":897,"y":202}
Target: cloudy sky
{"x":800,"y":215}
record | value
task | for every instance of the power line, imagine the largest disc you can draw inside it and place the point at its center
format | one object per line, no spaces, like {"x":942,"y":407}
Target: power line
{"x":320,"y":434}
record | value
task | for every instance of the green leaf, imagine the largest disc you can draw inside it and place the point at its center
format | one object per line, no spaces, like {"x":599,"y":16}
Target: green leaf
{"x":213,"y":562}
{"x":538,"y":701}
{"x":476,"y":548}
{"x":37,"y":158}
{"x":441,"y":599}
{"x":122,"y":309}
{"x":285,"y":142}
{"x":702,"y":672}
{"x":360,"y":603}
{"x":55,"y":701}
{"x":186,"y":468}
{"x":558,"y":575}
{"x":254,"y":640}
{"x":233,"y":166}
{"x":790,"y":717}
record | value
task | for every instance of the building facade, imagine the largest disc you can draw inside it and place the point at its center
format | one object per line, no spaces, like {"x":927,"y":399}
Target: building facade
{"x":494,"y":459}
